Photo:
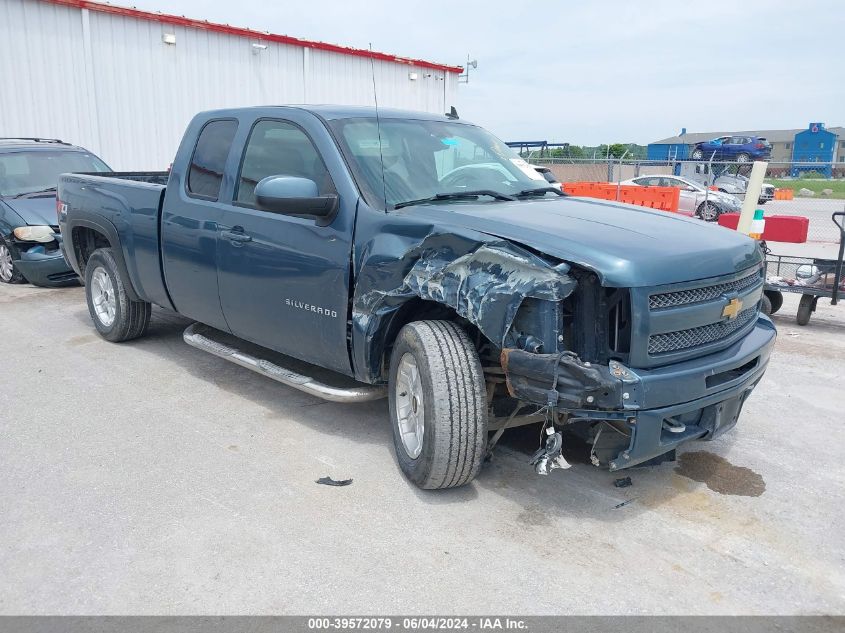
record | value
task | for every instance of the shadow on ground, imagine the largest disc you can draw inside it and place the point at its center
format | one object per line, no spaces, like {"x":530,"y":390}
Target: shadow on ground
{"x":580,"y":492}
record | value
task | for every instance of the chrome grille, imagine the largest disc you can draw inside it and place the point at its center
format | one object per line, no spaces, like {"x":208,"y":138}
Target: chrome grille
{"x":693,"y":337}
{"x":698,"y":295}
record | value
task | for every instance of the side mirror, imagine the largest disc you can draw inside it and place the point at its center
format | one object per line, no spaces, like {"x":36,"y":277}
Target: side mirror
{"x":291,"y":195}
{"x":690,"y":188}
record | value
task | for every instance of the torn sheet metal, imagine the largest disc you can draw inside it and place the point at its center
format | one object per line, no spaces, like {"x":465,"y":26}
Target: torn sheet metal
{"x":483,"y":281}
{"x":488,"y":285}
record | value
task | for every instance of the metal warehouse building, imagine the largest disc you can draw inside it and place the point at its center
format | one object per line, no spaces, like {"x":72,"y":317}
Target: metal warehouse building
{"x":124,"y":83}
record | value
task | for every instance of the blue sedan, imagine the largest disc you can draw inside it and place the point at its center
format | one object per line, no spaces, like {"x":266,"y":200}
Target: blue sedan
{"x":742,"y":149}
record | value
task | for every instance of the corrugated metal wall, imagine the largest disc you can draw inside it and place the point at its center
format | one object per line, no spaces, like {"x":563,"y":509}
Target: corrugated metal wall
{"x":109,"y":83}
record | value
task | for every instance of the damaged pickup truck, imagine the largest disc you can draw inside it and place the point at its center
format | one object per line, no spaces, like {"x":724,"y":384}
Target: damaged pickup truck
{"x":415,"y":256}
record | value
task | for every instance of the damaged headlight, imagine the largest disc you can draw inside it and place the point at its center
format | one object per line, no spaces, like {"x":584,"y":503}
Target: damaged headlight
{"x":34,"y":233}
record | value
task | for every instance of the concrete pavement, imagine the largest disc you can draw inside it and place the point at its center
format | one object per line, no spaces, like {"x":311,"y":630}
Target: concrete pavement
{"x":151,"y":478}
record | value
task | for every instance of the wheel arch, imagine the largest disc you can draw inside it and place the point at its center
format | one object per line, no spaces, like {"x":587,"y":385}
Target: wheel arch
{"x":88,"y":235}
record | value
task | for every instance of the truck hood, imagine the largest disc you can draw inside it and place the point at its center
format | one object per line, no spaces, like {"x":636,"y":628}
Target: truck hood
{"x":625,"y":245}
{"x":40,"y":211}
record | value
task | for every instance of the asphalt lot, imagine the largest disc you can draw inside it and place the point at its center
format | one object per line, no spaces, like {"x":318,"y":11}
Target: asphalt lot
{"x":150,"y":477}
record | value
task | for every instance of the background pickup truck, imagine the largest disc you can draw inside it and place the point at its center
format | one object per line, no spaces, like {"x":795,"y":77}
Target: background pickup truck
{"x":416,"y":256}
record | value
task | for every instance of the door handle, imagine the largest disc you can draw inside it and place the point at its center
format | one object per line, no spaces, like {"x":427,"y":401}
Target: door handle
{"x":236,"y":236}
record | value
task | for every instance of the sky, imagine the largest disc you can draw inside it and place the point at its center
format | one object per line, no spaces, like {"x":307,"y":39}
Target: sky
{"x":592,"y":72}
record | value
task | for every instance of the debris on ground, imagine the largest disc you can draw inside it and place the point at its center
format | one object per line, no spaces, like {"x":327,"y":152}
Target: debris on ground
{"x":624,"y":503}
{"x":623,"y":482}
{"x":328,"y":481}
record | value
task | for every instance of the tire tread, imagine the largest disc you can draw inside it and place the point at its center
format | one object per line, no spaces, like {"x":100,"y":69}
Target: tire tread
{"x":133,"y":317}
{"x":461,"y":416}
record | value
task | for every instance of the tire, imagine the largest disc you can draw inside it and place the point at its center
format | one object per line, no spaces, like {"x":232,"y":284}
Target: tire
{"x":708,"y":212}
{"x":775,"y":298}
{"x":805,"y":309}
{"x":436,"y":362}
{"x":9,"y":273}
{"x":697,"y":154}
{"x":766,"y":306}
{"x":743,"y":158}
{"x":116,"y":317}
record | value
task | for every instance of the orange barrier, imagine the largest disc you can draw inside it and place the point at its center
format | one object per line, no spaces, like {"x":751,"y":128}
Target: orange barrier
{"x":784,"y":194}
{"x":663,"y":198}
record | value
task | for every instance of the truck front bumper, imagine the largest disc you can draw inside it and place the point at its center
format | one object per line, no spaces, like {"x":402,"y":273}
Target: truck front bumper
{"x":658,"y":409}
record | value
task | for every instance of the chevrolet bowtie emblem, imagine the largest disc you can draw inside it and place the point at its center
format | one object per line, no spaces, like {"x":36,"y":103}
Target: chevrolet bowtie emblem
{"x":732,"y":309}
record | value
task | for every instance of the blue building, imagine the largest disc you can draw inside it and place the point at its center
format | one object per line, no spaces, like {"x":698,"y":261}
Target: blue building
{"x":812,"y":146}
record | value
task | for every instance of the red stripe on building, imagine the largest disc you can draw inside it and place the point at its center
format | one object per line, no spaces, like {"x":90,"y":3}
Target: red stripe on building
{"x":176,"y":20}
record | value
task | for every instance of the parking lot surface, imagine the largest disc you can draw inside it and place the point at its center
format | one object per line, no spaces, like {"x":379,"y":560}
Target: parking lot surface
{"x":151,"y":478}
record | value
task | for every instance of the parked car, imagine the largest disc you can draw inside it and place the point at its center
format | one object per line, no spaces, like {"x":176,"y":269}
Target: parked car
{"x":549,"y":176}
{"x":742,"y":149}
{"x":694,"y":200}
{"x":326,"y":234}
{"x":726,"y":181}
{"x":30,"y":243}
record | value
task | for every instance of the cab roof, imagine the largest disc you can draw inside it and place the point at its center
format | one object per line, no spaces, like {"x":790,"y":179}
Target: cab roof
{"x":332,"y":112}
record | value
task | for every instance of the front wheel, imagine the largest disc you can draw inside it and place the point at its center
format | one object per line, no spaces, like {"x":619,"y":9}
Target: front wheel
{"x":9,"y":274}
{"x":697,"y":154}
{"x":438,"y":405}
{"x":805,"y":308}
{"x":116,"y":316}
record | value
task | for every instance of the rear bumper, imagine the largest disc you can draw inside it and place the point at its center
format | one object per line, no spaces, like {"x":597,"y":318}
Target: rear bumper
{"x":45,"y":268}
{"x":658,"y":408}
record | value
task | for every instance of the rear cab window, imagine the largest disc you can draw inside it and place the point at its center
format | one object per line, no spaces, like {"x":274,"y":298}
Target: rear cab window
{"x":205,"y":174}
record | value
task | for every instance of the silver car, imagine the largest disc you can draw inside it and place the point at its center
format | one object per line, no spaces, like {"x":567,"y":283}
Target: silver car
{"x":695,"y":200}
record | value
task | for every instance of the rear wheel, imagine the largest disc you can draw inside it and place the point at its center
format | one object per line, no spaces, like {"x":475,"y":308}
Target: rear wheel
{"x":708,"y":212}
{"x":775,"y":298}
{"x":9,"y":274}
{"x":805,"y":309}
{"x":743,"y":158}
{"x":116,"y":316}
{"x":438,"y":405}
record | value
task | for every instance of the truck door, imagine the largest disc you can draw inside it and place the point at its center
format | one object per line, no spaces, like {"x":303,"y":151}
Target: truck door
{"x":191,"y":211}
{"x":284,"y":281}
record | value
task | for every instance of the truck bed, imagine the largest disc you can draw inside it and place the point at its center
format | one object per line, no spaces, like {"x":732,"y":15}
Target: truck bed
{"x":128,"y":203}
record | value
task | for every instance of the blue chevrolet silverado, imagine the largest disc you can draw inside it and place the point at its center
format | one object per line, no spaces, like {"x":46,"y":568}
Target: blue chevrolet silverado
{"x":356,"y":254}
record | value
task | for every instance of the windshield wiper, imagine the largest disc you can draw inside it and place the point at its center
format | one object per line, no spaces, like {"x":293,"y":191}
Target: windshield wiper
{"x":456,"y":195}
{"x":37,"y":191}
{"x":539,"y":190}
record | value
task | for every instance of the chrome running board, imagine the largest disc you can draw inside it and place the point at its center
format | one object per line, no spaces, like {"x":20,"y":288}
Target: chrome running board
{"x":197,"y":335}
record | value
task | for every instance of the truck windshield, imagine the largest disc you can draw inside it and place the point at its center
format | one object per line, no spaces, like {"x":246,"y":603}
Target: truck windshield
{"x":427,"y":160}
{"x":31,"y":172}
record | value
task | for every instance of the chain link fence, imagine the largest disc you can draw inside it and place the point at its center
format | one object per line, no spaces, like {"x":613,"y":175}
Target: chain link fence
{"x":811,"y":190}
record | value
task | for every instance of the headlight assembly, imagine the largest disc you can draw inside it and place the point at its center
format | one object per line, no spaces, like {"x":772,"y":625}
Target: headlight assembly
{"x":34,"y":233}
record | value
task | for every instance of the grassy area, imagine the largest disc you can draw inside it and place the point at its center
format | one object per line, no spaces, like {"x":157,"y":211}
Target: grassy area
{"x":838,"y":186}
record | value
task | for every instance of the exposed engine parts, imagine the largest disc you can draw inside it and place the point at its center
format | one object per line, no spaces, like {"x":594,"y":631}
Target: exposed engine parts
{"x":549,"y":456}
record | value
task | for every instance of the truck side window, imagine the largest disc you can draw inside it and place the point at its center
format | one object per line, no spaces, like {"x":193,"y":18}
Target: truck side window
{"x":209,"y":158}
{"x":279,"y":148}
